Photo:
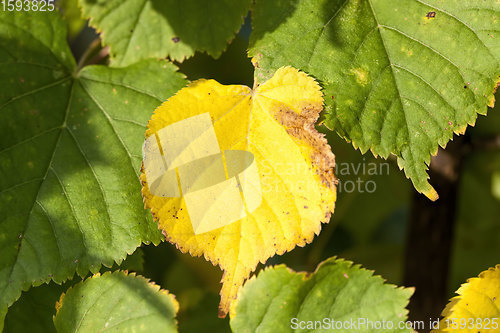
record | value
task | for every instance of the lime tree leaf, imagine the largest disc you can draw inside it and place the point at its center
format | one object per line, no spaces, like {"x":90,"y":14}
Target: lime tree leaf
{"x":39,"y":301}
{"x":336,"y":290}
{"x":139,"y":29}
{"x":259,"y":176}
{"x":477,"y":305}
{"x":69,"y":155}
{"x":117,"y":302}
{"x":399,"y":76}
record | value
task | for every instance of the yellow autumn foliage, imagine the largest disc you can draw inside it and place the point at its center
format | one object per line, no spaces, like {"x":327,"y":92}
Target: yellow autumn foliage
{"x":268,"y":149}
{"x":477,"y":306}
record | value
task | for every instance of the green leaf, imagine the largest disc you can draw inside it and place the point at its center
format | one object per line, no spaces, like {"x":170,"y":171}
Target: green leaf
{"x":70,"y":153}
{"x":116,"y":302}
{"x":139,"y":29}
{"x":40,"y":300}
{"x":400,"y":76}
{"x":336,"y":290}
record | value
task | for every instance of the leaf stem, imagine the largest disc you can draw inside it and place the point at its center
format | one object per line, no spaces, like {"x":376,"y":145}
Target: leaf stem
{"x":88,"y":54}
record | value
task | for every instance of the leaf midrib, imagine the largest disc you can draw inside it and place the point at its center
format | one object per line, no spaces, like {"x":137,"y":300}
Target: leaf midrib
{"x":395,"y":83}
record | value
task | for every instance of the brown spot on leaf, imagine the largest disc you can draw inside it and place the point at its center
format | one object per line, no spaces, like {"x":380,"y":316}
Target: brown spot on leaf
{"x":301,"y":126}
{"x":255,"y":61}
{"x":431,"y":15}
{"x":176,"y":39}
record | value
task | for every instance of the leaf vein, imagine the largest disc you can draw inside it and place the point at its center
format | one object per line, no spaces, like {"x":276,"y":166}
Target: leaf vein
{"x":462,"y":22}
{"x":52,"y":227}
{"x":121,"y":84}
{"x":433,"y":50}
{"x":34,"y":91}
{"x":30,"y":138}
{"x":313,"y":52}
{"x":108,"y":118}
{"x":426,"y":83}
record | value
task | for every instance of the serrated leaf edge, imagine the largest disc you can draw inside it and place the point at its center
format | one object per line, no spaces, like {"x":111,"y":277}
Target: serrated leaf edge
{"x":308,"y":275}
{"x":125,"y":273}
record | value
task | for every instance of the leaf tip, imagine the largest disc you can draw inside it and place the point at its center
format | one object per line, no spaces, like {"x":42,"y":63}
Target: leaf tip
{"x":431,"y":194}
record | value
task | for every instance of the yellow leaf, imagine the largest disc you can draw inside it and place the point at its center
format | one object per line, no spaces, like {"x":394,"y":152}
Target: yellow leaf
{"x":477,"y":308}
{"x":238,"y":175}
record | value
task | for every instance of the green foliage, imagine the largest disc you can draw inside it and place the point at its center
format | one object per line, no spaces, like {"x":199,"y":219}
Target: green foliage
{"x":70,"y":155}
{"x":40,"y":301}
{"x":335,"y":290}
{"x":399,"y":76}
{"x":116,"y":302}
{"x":139,"y":29}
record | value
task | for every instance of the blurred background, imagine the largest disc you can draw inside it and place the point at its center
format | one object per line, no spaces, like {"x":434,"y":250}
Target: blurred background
{"x":379,"y":222}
